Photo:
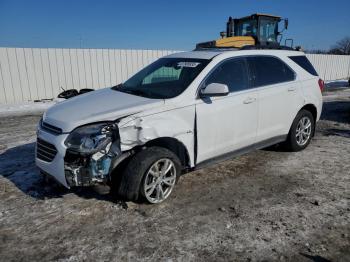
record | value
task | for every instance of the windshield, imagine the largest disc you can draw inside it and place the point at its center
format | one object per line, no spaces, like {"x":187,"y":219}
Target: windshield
{"x":268,"y":30}
{"x":165,"y":78}
{"x":246,"y":27}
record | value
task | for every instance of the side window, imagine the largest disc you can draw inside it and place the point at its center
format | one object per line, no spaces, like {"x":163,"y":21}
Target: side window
{"x":269,"y":70}
{"x":304,"y":63}
{"x":232,"y":73}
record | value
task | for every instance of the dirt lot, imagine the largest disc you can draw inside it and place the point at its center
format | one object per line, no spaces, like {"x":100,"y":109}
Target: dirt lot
{"x":264,"y":206}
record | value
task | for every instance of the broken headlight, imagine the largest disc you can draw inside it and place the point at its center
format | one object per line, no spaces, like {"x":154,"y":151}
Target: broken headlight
{"x":92,"y":138}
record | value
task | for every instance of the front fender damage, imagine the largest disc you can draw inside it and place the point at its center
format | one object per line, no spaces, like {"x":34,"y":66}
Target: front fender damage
{"x":138,"y":131}
{"x":131,"y":132}
{"x":169,"y":126}
{"x":135,"y":133}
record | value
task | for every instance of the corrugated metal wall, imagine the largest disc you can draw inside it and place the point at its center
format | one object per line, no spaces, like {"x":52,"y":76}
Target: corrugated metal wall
{"x":28,"y":74}
{"x":331,"y":67}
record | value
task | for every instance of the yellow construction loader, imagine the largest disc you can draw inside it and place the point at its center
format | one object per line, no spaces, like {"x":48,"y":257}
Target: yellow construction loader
{"x":254,"y":31}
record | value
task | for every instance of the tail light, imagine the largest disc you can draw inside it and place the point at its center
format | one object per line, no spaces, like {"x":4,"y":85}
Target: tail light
{"x":321,"y":84}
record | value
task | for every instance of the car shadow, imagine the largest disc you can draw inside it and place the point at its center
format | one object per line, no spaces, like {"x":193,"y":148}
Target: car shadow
{"x":17,"y":165}
{"x":337,"y":111}
{"x":276,"y":148}
{"x":315,"y":258}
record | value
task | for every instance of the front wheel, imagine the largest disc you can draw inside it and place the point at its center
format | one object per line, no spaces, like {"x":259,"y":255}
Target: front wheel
{"x":301,"y":131}
{"x":151,"y":174}
{"x":159,"y":181}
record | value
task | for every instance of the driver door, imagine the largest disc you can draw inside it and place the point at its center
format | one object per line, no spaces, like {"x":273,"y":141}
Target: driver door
{"x":227,"y":123}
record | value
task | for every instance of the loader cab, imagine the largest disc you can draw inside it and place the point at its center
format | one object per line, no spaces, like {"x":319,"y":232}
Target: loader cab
{"x":263,"y":28}
{"x":257,"y":31}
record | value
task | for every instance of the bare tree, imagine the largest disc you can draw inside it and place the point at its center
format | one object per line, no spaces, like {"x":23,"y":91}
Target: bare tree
{"x":342,"y":47}
{"x":316,"y":51}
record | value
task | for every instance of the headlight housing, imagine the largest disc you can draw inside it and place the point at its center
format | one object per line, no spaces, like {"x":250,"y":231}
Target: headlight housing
{"x":92,"y":138}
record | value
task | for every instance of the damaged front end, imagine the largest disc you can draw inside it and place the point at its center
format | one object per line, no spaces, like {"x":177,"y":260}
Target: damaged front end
{"x":92,"y":153}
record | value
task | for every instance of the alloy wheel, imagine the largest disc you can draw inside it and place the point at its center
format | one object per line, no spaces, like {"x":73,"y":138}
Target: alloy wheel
{"x":303,"y":131}
{"x":159,"y":180}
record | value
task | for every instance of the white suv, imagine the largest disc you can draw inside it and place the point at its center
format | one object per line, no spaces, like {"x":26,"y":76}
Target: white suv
{"x":178,"y":114}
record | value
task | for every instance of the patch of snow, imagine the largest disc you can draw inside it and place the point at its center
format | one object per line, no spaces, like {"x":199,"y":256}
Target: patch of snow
{"x":337,"y":84}
{"x":336,"y":95}
{"x":18,"y":142}
{"x":26,"y":107}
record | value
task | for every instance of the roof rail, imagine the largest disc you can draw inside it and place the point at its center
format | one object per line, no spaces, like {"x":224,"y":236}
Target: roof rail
{"x":247,"y":47}
{"x":216,"y":49}
{"x":271,"y":47}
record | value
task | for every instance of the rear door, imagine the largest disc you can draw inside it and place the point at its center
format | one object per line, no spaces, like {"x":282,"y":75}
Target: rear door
{"x":278,"y":93}
{"x":228,"y":123}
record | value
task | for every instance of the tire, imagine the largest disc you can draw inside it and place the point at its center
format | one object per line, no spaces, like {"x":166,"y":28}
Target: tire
{"x":296,"y":140}
{"x":132,"y":186}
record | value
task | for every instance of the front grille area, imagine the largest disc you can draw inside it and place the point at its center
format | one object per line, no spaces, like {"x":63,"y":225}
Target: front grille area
{"x":45,"y":151}
{"x":50,"y":128}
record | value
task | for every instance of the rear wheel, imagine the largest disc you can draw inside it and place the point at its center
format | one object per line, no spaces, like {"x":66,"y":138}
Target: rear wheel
{"x":301,"y":132}
{"x":150,"y":175}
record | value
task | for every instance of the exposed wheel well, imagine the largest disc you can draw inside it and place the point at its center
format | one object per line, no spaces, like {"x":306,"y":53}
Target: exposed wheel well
{"x":312,"y":109}
{"x":173,"y":145}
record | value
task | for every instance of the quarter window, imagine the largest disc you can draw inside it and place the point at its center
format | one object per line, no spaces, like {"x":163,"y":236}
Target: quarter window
{"x":232,"y":73}
{"x":304,"y":63}
{"x":268,"y":70}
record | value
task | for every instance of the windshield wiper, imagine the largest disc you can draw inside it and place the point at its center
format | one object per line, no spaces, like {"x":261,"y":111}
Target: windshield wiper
{"x":117,"y":87}
{"x":136,"y":92}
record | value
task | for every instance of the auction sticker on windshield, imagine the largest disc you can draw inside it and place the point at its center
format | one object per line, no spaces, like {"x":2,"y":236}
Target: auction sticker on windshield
{"x":188,"y":64}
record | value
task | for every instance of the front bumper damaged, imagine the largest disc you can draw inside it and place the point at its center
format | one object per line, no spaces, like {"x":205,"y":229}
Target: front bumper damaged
{"x":74,"y":169}
{"x":87,"y":170}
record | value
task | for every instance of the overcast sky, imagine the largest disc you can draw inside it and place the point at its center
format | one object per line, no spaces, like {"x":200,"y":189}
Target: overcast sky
{"x":175,"y":24}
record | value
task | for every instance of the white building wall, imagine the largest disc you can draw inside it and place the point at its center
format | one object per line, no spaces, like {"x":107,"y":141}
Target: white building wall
{"x":331,"y":67}
{"x":28,"y":74}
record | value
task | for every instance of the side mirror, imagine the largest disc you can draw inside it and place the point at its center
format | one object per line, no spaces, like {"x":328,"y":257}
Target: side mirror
{"x":214,"y":89}
{"x":286,"y":23}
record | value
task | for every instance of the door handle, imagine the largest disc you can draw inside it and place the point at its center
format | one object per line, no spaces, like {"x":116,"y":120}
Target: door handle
{"x":249,"y":100}
{"x":291,"y":89}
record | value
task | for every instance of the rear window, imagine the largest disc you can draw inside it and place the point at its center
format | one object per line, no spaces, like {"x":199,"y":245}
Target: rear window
{"x":304,"y":63}
{"x":269,"y":70}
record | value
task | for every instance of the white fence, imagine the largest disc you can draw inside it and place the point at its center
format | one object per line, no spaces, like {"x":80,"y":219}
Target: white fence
{"x":28,"y":74}
{"x":331,"y":67}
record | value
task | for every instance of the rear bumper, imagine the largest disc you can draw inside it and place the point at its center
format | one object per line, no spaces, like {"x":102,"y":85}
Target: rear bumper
{"x":55,"y":168}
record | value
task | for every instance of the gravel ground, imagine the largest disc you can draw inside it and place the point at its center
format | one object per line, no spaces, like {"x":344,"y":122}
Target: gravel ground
{"x":268,"y":205}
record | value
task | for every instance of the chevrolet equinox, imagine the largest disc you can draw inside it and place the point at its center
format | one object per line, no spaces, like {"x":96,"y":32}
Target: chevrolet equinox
{"x":180,"y":113}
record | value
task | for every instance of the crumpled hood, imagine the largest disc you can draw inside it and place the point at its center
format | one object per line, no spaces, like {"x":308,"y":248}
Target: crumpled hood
{"x":101,"y":105}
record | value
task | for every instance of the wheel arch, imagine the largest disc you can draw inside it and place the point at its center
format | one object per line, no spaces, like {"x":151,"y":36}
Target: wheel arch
{"x":175,"y":146}
{"x":312,"y":109}
{"x":170,"y":143}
